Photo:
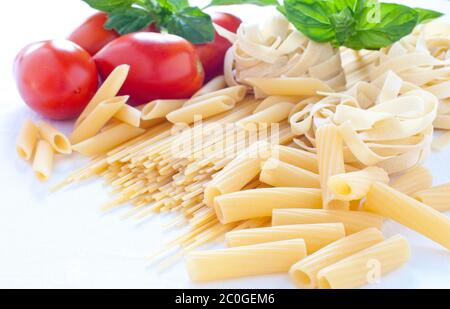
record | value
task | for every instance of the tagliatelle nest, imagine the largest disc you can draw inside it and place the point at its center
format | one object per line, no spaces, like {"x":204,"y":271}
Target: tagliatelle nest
{"x":387,"y":123}
{"x":275,"y":49}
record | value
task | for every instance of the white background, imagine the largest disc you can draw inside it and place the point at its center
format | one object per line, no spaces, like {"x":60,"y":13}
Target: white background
{"x":62,"y":240}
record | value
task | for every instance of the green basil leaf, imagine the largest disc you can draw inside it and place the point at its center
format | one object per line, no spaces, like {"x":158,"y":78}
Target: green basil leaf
{"x":255,"y":2}
{"x":127,"y":20}
{"x":427,"y":15}
{"x":396,"y":21}
{"x":344,"y":25}
{"x":192,"y":24}
{"x":355,"y":6}
{"x":311,"y":17}
{"x":108,"y":5}
{"x":174,"y":5}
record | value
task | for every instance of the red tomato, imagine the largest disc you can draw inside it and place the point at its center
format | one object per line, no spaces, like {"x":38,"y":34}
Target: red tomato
{"x":212,"y":54}
{"x":162,"y":66}
{"x":91,"y":35}
{"x":56,"y":78}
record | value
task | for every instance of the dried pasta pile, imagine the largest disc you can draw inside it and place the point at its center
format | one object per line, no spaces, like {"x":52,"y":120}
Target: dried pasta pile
{"x":298,"y":177}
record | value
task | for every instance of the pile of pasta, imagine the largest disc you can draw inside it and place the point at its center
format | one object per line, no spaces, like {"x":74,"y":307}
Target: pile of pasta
{"x":308,"y":199}
{"x":269,"y":55}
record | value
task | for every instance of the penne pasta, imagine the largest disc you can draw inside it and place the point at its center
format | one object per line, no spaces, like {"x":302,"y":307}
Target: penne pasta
{"x":43,"y":160}
{"x":331,"y":162}
{"x":280,"y":174}
{"x":296,"y":157}
{"x":160,"y":108}
{"x":237,"y":93}
{"x":289,"y":86}
{"x":273,"y":114}
{"x":107,"y":140}
{"x":274,"y":100}
{"x":238,"y":172}
{"x":388,"y":202}
{"x":437,"y":197}
{"x":366,"y":266}
{"x":99,"y":116}
{"x":355,"y":185}
{"x":267,"y":258}
{"x":27,"y":139}
{"x":304,"y":273}
{"x":257,"y":203}
{"x":59,"y":141}
{"x":129,"y":115}
{"x":315,"y":236}
{"x":416,"y":179}
{"x":109,"y":89}
{"x":215,"y":84}
{"x":354,"y":221}
{"x":204,"y":109}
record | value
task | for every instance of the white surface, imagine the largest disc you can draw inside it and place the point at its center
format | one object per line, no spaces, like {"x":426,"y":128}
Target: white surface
{"x":63,"y":241}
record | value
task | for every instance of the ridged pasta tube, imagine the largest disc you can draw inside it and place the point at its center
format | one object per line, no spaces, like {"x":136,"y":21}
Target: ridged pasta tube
{"x":27,"y":139}
{"x":280,"y":174}
{"x":367,"y":265}
{"x":316,"y":236}
{"x":304,"y":273}
{"x":266,"y":258}
{"x":437,"y":197}
{"x":416,"y":179}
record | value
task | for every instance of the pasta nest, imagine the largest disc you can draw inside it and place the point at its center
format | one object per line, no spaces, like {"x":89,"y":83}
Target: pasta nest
{"x":422,"y":58}
{"x":275,"y":49}
{"x":387,"y":122}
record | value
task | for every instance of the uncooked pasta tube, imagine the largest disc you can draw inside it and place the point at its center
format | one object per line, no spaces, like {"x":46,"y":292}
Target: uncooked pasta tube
{"x":107,"y":140}
{"x":393,"y":204}
{"x":315,"y":236}
{"x":237,"y":93}
{"x":304,"y":272}
{"x":331,"y":162}
{"x":260,"y":202}
{"x":129,"y":115}
{"x":280,"y":174}
{"x":273,"y":114}
{"x":354,"y":221}
{"x":215,"y":84}
{"x":26,"y":141}
{"x":109,"y":89}
{"x":96,"y":119}
{"x":366,"y":266}
{"x":416,"y":179}
{"x":267,"y":258}
{"x":296,"y":157}
{"x":59,"y":141}
{"x":203,"y":109}
{"x":238,"y":172}
{"x":355,"y":185}
{"x":437,"y":197}
{"x":160,"y":108}
{"x":43,"y":160}
{"x":289,"y":86}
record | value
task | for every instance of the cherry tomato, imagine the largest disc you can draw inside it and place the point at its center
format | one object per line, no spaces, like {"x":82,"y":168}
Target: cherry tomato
{"x":91,"y":35}
{"x":162,"y":66}
{"x":56,"y":78}
{"x":212,"y":54}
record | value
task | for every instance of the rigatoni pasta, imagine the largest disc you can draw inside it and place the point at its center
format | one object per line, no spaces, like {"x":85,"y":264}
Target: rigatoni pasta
{"x":297,"y":157}
{"x":355,"y":185}
{"x":58,"y":140}
{"x":27,"y":139}
{"x":315,"y":236}
{"x":416,"y":179}
{"x":304,"y":273}
{"x":330,"y":151}
{"x":280,"y":174}
{"x":266,"y":258}
{"x":388,"y":202}
{"x":354,"y":221}
{"x":256,"y":203}
{"x":437,"y":197}
{"x":366,"y":266}
{"x":43,"y":160}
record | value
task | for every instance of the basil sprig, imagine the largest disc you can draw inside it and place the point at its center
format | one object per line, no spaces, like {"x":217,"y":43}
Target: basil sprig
{"x":172,"y":16}
{"x":357,"y":24}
